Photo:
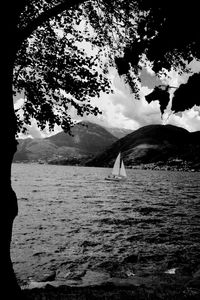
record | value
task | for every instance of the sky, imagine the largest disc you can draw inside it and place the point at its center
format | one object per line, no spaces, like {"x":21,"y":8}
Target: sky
{"x":122,"y":110}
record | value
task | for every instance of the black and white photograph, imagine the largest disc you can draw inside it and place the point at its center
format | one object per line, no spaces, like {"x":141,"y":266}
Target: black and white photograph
{"x":101,"y":185}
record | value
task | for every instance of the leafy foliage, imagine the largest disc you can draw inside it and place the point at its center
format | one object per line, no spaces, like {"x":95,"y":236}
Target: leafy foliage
{"x":56,"y":73}
{"x":162,"y":95}
{"x":190,"y":91}
{"x":140,"y":33}
{"x":168,"y":38}
{"x":166,"y":34}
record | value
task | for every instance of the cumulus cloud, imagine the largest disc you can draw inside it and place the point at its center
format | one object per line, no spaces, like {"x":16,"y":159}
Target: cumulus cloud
{"x":34,"y":132}
{"x":122,"y":110}
{"x":18,"y":102}
{"x":149,"y":79}
{"x":189,"y":119}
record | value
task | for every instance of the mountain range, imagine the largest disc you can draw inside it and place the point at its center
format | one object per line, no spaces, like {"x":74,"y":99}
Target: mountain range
{"x":93,"y":145}
{"x":154,"y":144}
{"x":86,"y":140}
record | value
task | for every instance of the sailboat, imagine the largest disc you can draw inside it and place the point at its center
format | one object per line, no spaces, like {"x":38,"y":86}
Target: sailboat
{"x":118,"y":171}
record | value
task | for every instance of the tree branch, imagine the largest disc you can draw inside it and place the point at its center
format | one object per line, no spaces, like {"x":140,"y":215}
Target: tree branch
{"x":46,"y":15}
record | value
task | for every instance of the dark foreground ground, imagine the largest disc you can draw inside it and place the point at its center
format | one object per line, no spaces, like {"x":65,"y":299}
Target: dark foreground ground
{"x":168,"y":287}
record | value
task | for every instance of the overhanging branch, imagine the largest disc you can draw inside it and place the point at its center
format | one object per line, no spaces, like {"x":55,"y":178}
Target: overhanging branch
{"x":46,"y":15}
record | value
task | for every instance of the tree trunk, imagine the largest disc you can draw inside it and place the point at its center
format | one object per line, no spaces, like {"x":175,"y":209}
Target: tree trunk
{"x":10,"y":288}
{"x":9,"y":209}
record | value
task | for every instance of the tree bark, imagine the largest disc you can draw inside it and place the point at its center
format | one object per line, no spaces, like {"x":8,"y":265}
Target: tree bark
{"x":10,"y":288}
{"x":9,"y":208}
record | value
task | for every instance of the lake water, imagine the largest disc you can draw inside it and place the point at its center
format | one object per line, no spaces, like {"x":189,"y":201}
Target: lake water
{"x":79,"y":227}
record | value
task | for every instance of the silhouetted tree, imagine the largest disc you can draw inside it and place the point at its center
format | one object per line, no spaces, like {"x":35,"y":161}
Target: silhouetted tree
{"x":41,"y":58}
{"x":167,"y":37}
{"x":187,"y":95}
{"x":162,"y":95}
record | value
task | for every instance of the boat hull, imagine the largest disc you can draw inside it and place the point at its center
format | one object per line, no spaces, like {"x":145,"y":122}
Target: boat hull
{"x":115,"y":178}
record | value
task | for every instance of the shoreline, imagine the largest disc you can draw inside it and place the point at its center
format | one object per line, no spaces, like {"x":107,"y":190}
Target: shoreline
{"x":149,"y":166}
{"x":166,"y":287}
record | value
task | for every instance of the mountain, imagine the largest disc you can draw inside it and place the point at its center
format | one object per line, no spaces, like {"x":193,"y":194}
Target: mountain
{"x":86,"y":136}
{"x":87,"y":140}
{"x":34,"y":149}
{"x":153,"y":144}
{"x":118,"y":132}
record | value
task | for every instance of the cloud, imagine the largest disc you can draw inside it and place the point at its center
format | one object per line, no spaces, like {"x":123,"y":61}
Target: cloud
{"x":18,"y":102}
{"x":34,"y":132}
{"x":121,"y":109}
{"x":189,"y":119}
{"x":195,"y":66}
{"x":149,"y":79}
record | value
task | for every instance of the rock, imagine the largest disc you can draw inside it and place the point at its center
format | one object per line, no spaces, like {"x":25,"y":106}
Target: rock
{"x":95,"y":278}
{"x":49,"y":277}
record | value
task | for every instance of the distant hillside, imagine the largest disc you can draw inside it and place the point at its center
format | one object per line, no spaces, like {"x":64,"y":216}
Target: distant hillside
{"x":34,"y":149}
{"x":87,"y":140}
{"x":118,"y":132}
{"x":153,"y":143}
{"x":22,"y":150}
{"x":195,"y":137}
{"x":86,"y":136}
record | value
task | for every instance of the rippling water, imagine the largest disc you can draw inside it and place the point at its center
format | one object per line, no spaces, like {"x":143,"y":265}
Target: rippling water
{"x":73,"y":223}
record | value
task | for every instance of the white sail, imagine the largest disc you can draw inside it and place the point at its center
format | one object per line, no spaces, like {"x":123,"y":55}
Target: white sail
{"x":122,"y":170}
{"x":116,"y":167}
{"x":118,"y":172}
